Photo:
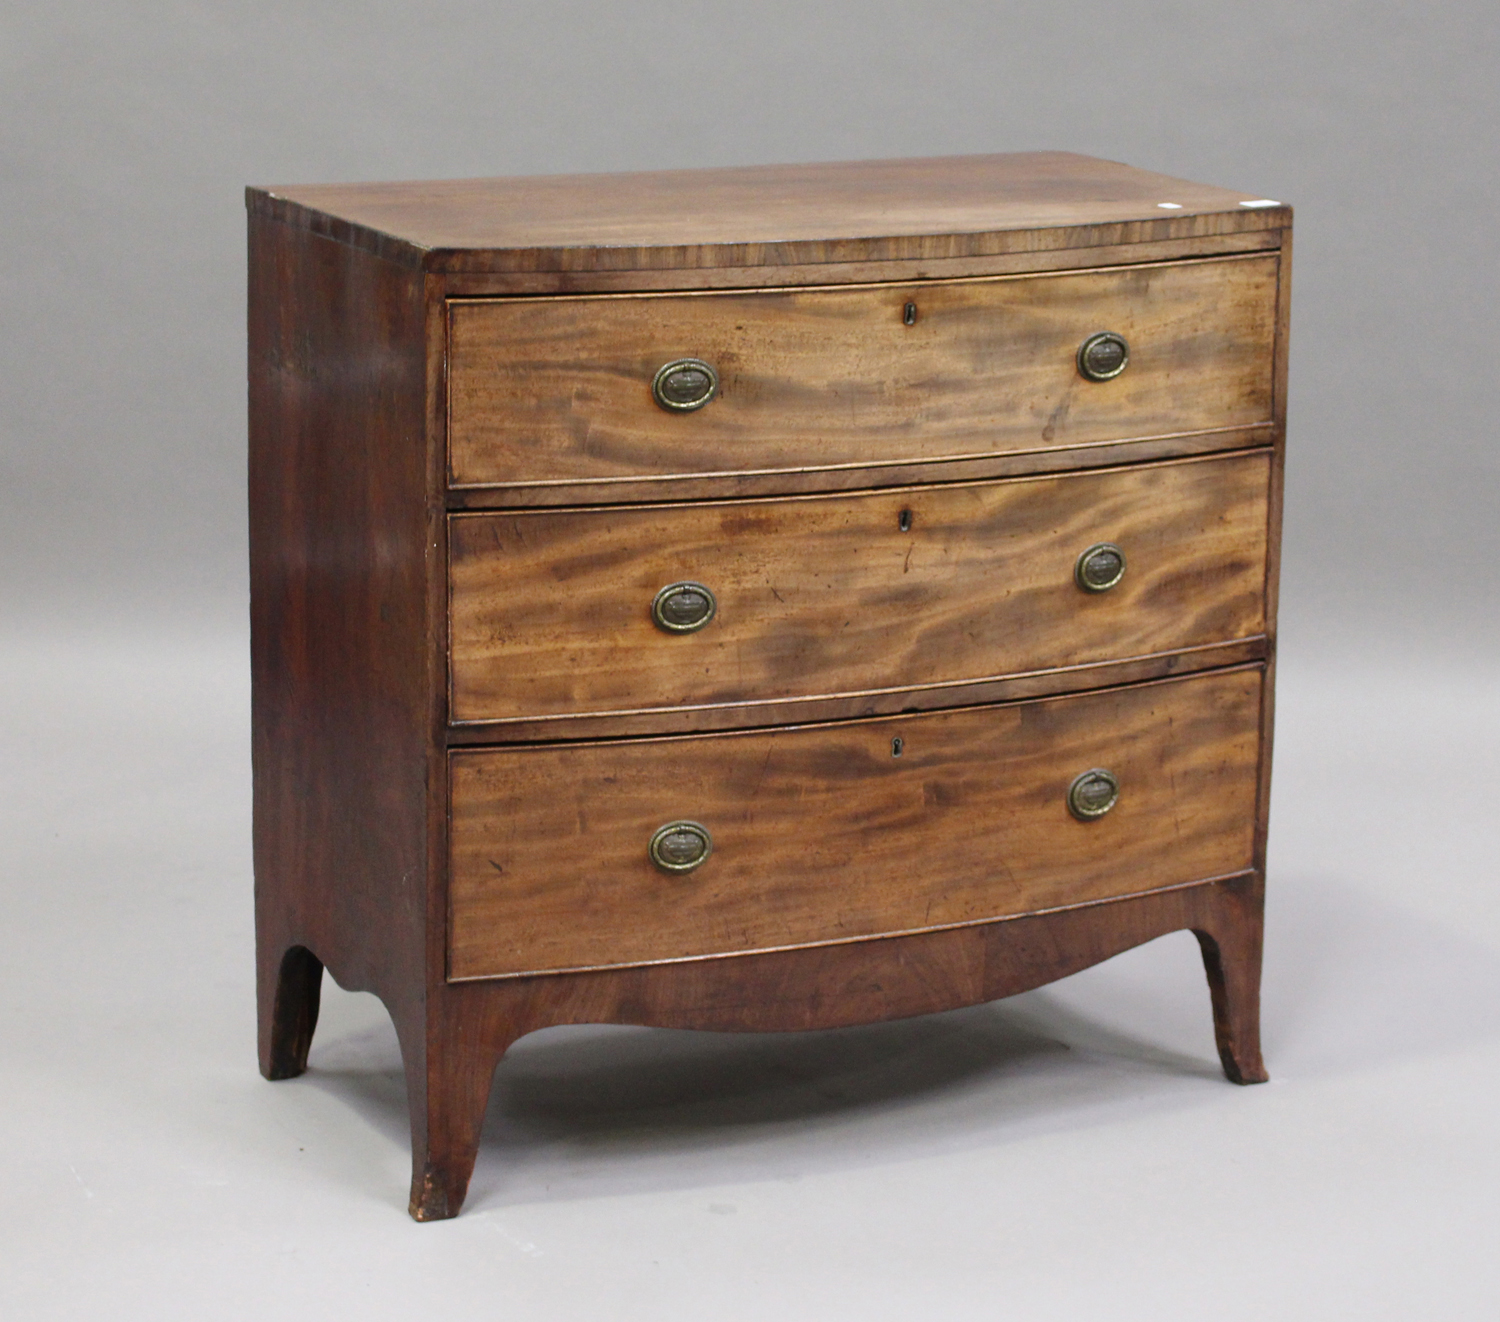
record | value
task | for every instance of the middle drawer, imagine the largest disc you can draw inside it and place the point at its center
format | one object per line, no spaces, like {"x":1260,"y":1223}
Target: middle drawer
{"x":551,"y":611}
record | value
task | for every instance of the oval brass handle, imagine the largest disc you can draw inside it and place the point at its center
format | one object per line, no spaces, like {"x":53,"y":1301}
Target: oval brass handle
{"x":1103,"y":357}
{"x":681,"y":846}
{"x":683,"y":607}
{"x":684,"y":384}
{"x":1093,"y":794}
{"x":1100,"y":567}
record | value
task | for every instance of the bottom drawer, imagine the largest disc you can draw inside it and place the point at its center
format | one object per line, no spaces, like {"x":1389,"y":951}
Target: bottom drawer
{"x":844,"y":831}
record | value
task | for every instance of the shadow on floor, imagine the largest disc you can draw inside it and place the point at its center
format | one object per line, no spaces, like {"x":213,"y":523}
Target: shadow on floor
{"x":588,"y":1111}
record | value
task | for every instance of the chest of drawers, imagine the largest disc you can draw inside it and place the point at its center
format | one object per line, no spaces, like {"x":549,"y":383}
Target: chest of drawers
{"x":755,"y":599}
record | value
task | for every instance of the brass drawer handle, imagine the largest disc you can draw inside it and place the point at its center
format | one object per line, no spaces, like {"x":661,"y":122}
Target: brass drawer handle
{"x":1103,"y":357}
{"x":681,"y":846}
{"x":684,"y":384}
{"x":1100,"y":567}
{"x":683,"y":607}
{"x":1093,"y":794}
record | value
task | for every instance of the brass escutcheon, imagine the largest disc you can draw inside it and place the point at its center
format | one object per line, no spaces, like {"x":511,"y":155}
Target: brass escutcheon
{"x":1100,"y":567}
{"x":681,"y":846}
{"x":1103,"y":357}
{"x":684,"y":384}
{"x":1093,"y":794}
{"x":683,"y":607}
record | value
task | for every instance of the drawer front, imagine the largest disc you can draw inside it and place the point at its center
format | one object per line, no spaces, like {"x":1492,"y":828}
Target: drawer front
{"x":557,"y":390}
{"x":551,"y":612}
{"x":822,"y":833}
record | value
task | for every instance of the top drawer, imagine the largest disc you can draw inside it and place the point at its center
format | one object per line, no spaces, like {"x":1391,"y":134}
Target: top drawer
{"x":547,"y":391}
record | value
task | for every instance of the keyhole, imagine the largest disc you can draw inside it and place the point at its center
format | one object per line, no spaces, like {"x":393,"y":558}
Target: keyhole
{"x":896,"y":746}
{"x":910,"y":315}
{"x":905,"y":521}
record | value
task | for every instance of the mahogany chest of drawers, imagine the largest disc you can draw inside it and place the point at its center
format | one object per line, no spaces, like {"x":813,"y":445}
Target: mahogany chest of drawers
{"x":755,"y":599}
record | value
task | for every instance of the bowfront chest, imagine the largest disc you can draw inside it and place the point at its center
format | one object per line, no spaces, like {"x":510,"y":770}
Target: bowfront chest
{"x":755,"y":599}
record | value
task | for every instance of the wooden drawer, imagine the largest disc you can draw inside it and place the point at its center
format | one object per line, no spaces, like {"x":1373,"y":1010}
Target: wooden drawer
{"x":546,"y":391}
{"x":820,"y":834}
{"x":831,"y":595}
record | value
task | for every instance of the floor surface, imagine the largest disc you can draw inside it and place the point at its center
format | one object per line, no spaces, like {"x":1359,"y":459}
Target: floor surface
{"x":1073,"y":1153}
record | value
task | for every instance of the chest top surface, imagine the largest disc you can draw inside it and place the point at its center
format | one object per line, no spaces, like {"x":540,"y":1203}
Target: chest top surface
{"x":767,"y":215}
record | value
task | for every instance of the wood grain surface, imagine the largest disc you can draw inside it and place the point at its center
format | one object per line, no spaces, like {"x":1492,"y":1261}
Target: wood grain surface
{"x":814,"y":481}
{"x":1039,"y":257}
{"x":822,"y":833}
{"x":827,"y":986}
{"x":555,"y":390}
{"x":1041,"y":683}
{"x":551,"y":611}
{"x":1273,"y":542}
{"x":341,"y":632}
{"x":769,"y":215}
{"x":846,"y":884}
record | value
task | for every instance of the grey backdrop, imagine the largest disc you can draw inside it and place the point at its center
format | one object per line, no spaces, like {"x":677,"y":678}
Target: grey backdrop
{"x":130,"y":129}
{"x":1069,"y":1154}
